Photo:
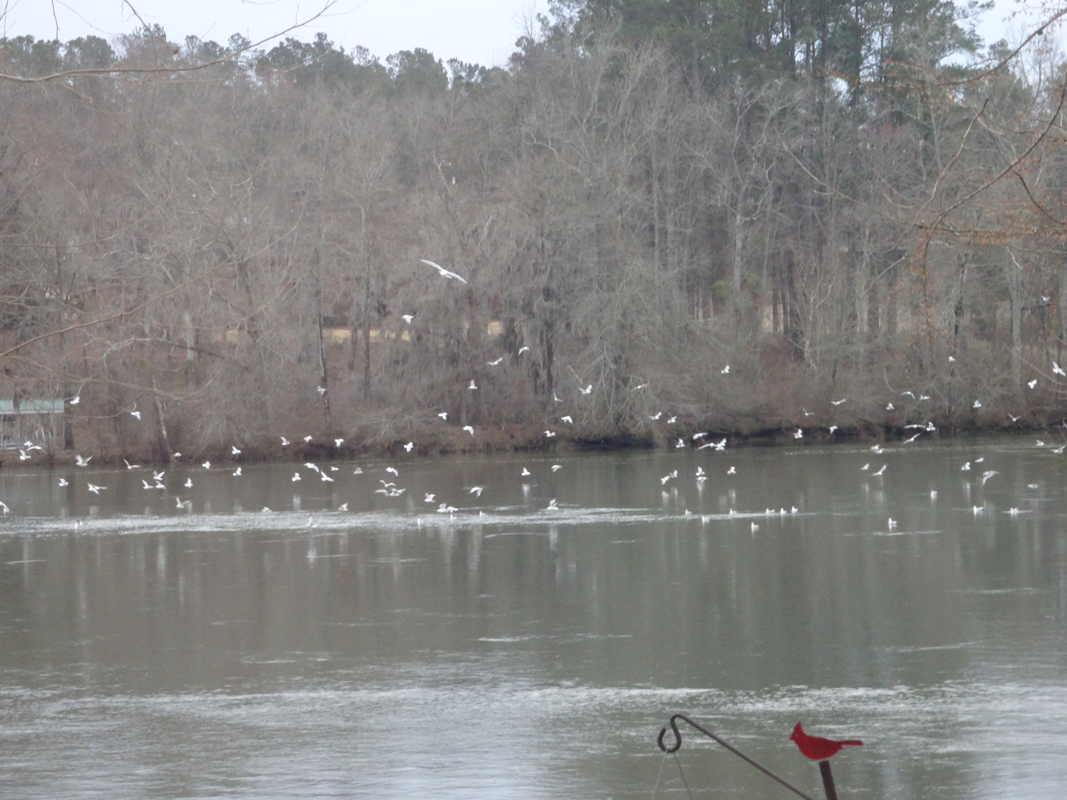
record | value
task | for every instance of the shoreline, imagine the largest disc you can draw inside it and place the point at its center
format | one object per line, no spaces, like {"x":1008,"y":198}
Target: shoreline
{"x":500,"y":438}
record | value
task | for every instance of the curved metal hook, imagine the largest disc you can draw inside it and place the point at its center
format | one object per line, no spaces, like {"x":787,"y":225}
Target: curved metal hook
{"x":678,"y":744}
{"x":677,"y":735}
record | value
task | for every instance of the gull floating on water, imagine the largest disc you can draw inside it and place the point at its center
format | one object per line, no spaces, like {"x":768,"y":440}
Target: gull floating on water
{"x":444,"y":272}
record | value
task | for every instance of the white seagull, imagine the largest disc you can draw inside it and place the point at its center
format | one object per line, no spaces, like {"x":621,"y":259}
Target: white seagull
{"x":469,"y":429}
{"x":494,"y":363}
{"x":1056,"y":368}
{"x":473,"y":385}
{"x":409,"y":446}
{"x":95,"y":489}
{"x":444,"y":272}
{"x":82,"y":462}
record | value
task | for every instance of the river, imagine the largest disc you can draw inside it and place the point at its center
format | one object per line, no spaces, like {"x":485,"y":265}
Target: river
{"x":257,"y":636}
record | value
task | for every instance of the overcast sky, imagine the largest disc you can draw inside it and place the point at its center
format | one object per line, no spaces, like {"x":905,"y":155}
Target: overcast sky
{"x":476,"y":31}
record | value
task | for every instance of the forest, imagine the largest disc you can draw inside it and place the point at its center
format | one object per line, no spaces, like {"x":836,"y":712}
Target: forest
{"x":667,"y":217}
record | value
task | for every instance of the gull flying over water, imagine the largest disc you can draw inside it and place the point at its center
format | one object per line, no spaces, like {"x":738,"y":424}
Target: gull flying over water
{"x":444,"y":272}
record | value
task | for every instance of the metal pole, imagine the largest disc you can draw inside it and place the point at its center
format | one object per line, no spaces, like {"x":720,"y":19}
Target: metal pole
{"x":828,"y":780}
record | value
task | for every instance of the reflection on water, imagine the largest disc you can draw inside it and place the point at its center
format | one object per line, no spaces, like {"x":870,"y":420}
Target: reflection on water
{"x":184,"y":642}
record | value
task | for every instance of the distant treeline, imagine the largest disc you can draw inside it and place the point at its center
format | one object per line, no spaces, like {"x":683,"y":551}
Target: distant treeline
{"x":731,"y":214}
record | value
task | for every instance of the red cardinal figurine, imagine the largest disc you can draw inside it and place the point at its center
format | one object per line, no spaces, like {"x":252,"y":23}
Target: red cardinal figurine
{"x":817,"y":748}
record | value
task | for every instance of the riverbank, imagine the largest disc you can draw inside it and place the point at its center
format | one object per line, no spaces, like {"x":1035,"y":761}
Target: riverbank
{"x":429,"y":440}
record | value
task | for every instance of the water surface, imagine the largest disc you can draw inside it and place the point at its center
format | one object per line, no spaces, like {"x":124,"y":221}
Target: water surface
{"x":261,"y":641}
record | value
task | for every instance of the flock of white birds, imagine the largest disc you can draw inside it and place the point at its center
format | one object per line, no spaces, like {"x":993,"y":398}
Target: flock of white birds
{"x":391,"y":489}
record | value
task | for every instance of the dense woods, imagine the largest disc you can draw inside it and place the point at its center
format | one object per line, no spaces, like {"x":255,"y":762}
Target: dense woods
{"x":733,"y":214}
